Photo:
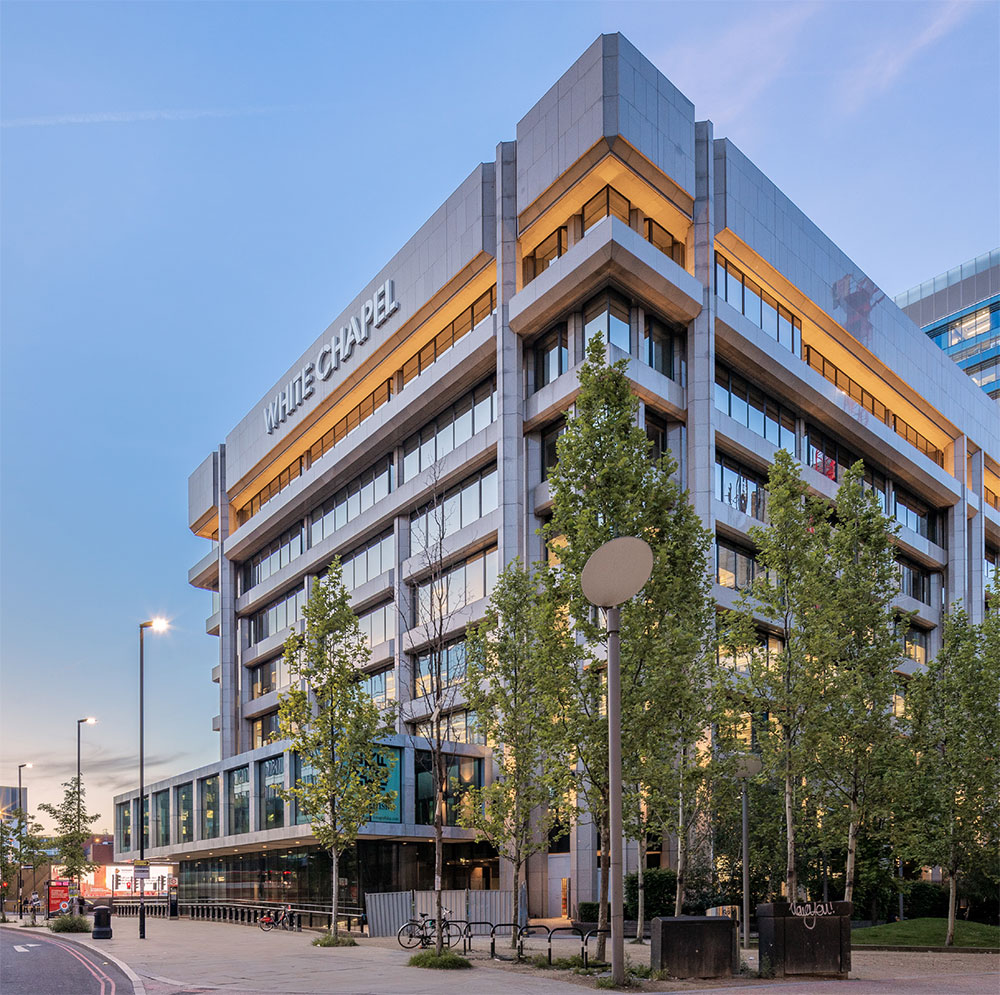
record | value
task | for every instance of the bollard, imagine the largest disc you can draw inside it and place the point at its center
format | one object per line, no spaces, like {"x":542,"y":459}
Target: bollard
{"x":102,"y":923}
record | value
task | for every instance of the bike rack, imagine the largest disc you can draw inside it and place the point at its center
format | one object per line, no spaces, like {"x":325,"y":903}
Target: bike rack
{"x":493,"y":935}
{"x":526,"y":930}
{"x":467,"y":938}
{"x":561,"y":929}
{"x":586,"y":940}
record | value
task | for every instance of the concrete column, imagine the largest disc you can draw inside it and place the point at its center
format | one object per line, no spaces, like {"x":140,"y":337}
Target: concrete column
{"x":229,"y":683}
{"x":701,"y":337}
{"x":956,"y":535}
{"x":510,"y":457}
{"x":404,"y":673}
{"x":977,"y":543}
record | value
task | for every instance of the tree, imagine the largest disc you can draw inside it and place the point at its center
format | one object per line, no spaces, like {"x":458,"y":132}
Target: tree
{"x":609,"y":483}
{"x":951,"y":807}
{"x":334,"y":725}
{"x":441,"y":662}
{"x":789,"y":593}
{"x":73,"y":822}
{"x":855,"y":745}
{"x":511,"y":686}
{"x":31,"y":849}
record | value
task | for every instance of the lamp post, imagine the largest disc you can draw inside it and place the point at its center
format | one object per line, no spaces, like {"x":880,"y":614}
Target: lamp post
{"x":747,"y":766}
{"x":157,"y":625}
{"x":89,"y":721}
{"x":613,"y":573}
{"x":20,"y":842}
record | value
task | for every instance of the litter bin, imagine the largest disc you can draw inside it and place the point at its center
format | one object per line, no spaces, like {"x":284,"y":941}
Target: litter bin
{"x":102,"y":923}
{"x":173,"y":911}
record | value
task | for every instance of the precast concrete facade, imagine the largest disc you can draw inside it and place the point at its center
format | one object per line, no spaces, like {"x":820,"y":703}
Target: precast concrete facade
{"x":614,"y":211}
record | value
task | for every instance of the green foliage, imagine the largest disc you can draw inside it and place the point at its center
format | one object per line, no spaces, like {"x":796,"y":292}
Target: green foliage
{"x":334,"y":725}
{"x":928,"y":932}
{"x":73,"y":822}
{"x":447,"y":961}
{"x":334,"y":940}
{"x":512,"y":688}
{"x":925,"y":900}
{"x":660,"y":886}
{"x":792,"y":589}
{"x":606,"y":484}
{"x":949,"y":812}
{"x":70,"y":924}
{"x":588,"y":911}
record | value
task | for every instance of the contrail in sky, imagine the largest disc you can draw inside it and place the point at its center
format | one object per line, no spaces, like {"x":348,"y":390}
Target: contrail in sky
{"x":131,"y":117}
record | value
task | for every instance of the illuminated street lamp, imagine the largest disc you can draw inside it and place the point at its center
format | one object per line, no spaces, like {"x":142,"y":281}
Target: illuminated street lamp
{"x":20,"y":841}
{"x":157,"y":625}
{"x":613,"y":573}
{"x":89,"y":721}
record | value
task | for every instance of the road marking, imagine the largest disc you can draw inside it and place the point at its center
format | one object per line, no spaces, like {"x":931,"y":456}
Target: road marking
{"x":20,"y":949}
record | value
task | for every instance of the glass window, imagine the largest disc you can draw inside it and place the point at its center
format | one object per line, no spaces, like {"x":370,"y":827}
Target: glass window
{"x":463,"y":773}
{"x":740,"y":487}
{"x":381,"y":686}
{"x":738,"y":290}
{"x":208,"y":791}
{"x":551,"y":356}
{"x":607,"y":315}
{"x":549,"y":454}
{"x":461,"y":506}
{"x":462,"y":584}
{"x":915,"y":644}
{"x":658,"y":347}
{"x":735,"y":568}
{"x":753,"y":408}
{"x":184,"y":802}
{"x":264,"y":730}
{"x":238,"y":793}
{"x":451,"y":660}
{"x":305,"y":773}
{"x":267,"y":677}
{"x":161,"y":818}
{"x":123,"y":825}
{"x":547,"y":251}
{"x":913,"y":514}
{"x":661,"y":239}
{"x":272,"y":805}
{"x":914,"y":581}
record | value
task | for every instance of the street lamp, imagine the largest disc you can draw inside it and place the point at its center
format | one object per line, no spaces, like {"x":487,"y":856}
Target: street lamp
{"x":157,"y":625}
{"x":615,"y":572}
{"x":89,"y":721}
{"x":747,"y":766}
{"x":20,"y":841}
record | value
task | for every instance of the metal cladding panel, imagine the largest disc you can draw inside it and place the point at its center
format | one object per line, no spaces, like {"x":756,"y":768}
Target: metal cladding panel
{"x":758,"y":213}
{"x":457,"y":233}
{"x":203,"y":489}
{"x":387,"y":911}
{"x":611,"y":90}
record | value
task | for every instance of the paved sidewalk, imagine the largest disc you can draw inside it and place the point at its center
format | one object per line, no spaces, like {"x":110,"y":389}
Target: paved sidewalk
{"x":185,"y":958}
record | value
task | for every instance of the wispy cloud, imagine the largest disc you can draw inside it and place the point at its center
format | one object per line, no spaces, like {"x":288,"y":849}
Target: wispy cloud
{"x":134,"y":117}
{"x":881,"y":66}
{"x":727,"y":74}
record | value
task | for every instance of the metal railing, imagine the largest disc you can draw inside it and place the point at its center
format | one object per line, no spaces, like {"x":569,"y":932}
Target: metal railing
{"x":247,"y":913}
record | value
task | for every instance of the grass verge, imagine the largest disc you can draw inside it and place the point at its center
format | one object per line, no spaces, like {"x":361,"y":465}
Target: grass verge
{"x":448,"y":961}
{"x":927,"y":933}
{"x":329,"y":940}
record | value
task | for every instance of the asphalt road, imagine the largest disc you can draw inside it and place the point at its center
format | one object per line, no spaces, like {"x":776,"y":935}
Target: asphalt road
{"x":36,"y":962}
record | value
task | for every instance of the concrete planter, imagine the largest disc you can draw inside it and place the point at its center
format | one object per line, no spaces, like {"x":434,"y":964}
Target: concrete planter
{"x":809,"y":938}
{"x":695,"y":946}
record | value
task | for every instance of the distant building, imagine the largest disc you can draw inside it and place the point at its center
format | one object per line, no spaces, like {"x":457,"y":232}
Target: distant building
{"x":960,"y":311}
{"x":8,"y":802}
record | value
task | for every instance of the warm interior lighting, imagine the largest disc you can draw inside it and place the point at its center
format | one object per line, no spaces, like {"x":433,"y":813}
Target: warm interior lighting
{"x":160,"y":625}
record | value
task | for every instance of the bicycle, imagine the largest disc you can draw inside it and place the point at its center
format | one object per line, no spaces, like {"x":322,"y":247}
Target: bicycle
{"x":423,"y":932}
{"x":269,"y":920}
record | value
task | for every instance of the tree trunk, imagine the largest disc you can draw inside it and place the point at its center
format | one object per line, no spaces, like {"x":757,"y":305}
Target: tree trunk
{"x":791,"y":883}
{"x":518,"y":865}
{"x":949,"y":939}
{"x":682,"y":856}
{"x":335,"y":874}
{"x":604,"y":891}
{"x":640,"y":926}
{"x":438,"y":857}
{"x":852,"y":852}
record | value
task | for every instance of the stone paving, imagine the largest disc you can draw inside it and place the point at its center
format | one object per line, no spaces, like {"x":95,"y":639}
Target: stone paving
{"x":185,"y":958}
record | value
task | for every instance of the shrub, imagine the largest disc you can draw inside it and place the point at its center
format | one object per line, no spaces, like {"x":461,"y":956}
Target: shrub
{"x":329,"y":940}
{"x":70,"y":924}
{"x":660,"y":887}
{"x":587,"y":911}
{"x":925,"y":900}
{"x":448,"y":961}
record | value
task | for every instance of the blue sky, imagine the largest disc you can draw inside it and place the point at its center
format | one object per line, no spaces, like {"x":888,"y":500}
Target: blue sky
{"x":191,"y":192}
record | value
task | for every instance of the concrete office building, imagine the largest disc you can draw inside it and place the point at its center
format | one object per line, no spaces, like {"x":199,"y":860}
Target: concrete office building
{"x":960,"y":311}
{"x":614,"y":211}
